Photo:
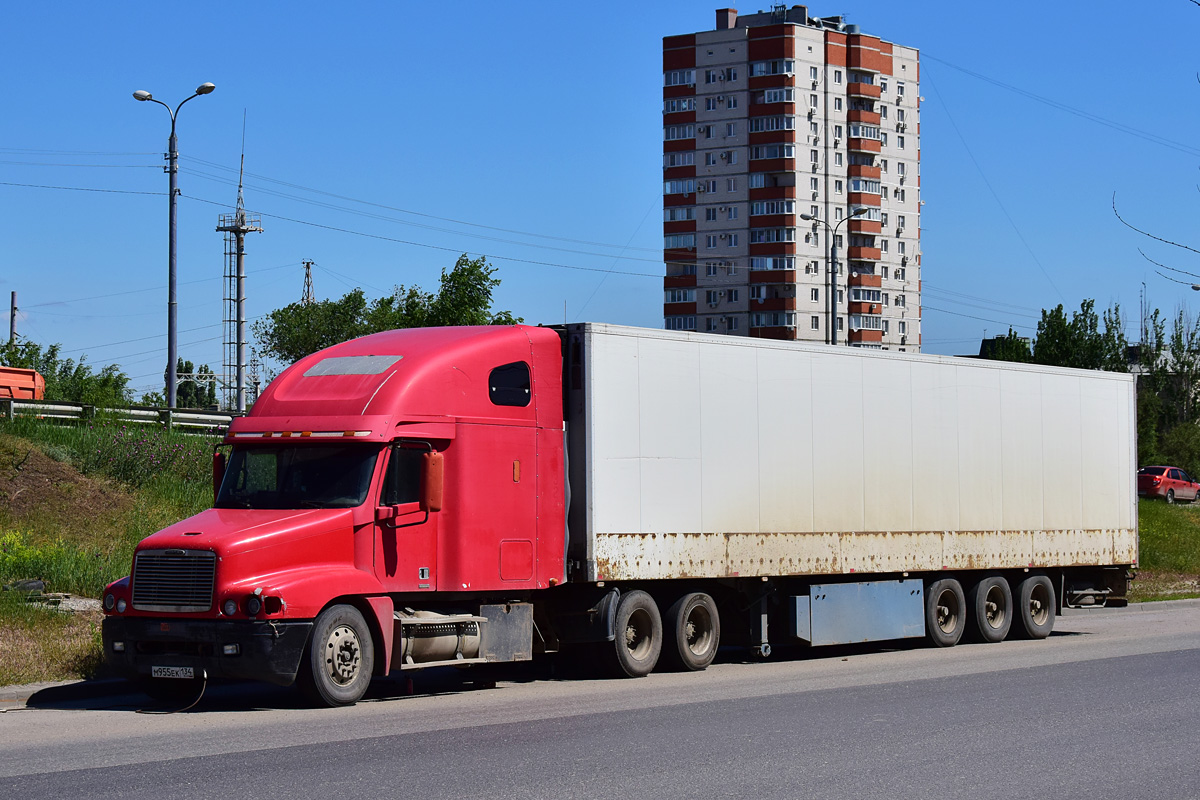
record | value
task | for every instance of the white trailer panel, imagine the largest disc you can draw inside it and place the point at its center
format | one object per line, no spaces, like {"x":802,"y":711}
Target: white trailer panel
{"x":712,"y":456}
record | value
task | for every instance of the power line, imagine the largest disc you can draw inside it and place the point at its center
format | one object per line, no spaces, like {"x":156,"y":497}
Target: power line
{"x":34,"y":151}
{"x":142,"y":291}
{"x":80,"y":189}
{"x":415,"y":213}
{"x":56,"y":164}
{"x":971,"y":316}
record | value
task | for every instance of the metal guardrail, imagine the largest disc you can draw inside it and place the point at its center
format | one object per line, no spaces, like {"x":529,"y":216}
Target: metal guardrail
{"x":168,"y":418}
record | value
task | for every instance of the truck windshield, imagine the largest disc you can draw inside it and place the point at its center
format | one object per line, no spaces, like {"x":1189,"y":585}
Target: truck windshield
{"x":298,"y":476}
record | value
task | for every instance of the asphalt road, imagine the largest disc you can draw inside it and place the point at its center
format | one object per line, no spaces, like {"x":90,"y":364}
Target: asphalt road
{"x":1105,"y":708}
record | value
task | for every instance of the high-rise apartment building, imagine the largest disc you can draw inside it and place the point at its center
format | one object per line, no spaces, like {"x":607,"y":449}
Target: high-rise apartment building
{"x":792,"y":142}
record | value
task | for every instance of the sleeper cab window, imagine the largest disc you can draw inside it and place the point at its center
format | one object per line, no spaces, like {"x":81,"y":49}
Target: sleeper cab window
{"x":508,"y":385}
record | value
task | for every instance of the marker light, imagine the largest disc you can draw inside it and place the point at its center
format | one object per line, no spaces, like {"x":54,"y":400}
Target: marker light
{"x":121,"y":606}
{"x":231,"y":649}
{"x":118,"y":647}
{"x":230,"y":608}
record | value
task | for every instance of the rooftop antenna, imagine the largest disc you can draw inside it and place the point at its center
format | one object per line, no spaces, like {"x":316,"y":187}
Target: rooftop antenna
{"x":235,"y":227}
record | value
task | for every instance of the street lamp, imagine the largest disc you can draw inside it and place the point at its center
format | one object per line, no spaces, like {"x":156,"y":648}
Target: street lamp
{"x":831,"y":305}
{"x":172,"y":170}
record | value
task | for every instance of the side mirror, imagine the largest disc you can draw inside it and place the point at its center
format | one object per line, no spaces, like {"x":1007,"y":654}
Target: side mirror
{"x":432,"y":476}
{"x":218,"y":473}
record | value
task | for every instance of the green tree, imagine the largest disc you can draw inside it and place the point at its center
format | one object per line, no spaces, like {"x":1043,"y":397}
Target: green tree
{"x":68,"y":380}
{"x":1079,"y":342}
{"x":1006,"y":348}
{"x":191,"y":393}
{"x":464,"y":297}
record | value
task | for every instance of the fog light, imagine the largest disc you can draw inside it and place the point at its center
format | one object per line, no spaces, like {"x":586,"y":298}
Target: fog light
{"x":109,"y":601}
{"x":121,"y":606}
{"x":230,"y":608}
{"x":231,"y":649}
{"x":118,"y":647}
{"x":253,"y":605}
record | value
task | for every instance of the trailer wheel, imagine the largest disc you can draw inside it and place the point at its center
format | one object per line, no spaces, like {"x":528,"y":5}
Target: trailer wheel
{"x":695,"y":629}
{"x":337,"y":666}
{"x":1035,"y":607}
{"x":945,"y":617}
{"x":639,"y":630}
{"x":991,"y":609}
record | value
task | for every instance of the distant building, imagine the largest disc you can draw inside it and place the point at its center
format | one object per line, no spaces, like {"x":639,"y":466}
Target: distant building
{"x":994,"y":348}
{"x":776,"y":115}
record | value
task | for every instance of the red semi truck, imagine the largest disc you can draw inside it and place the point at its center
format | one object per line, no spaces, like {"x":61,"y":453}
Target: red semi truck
{"x":467,"y":495}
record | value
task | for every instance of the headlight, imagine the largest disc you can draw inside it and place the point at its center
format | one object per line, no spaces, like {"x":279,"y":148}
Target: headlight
{"x":253,"y":605}
{"x":121,"y":606}
{"x":109,"y":602}
{"x":230,"y":608}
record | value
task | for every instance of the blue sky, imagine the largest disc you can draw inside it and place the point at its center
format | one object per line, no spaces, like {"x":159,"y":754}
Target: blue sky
{"x":540,"y":126}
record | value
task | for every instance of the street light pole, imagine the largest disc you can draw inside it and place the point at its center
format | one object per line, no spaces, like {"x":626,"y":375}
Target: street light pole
{"x":172,"y":170}
{"x":831,"y":300}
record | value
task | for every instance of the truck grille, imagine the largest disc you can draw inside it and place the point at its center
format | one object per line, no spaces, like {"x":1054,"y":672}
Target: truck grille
{"x":174,"y":580}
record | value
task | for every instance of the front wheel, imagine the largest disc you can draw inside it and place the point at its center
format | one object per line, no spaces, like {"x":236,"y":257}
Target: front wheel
{"x":337,"y":666}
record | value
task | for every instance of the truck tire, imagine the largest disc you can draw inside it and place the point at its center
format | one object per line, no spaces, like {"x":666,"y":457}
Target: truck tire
{"x":638,"y":642}
{"x":694,"y":626}
{"x":337,"y":666}
{"x":990,"y":606}
{"x":1035,"y":607}
{"x":945,"y":612}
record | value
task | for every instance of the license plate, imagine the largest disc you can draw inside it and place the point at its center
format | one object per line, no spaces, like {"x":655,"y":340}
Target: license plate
{"x":185,"y":673}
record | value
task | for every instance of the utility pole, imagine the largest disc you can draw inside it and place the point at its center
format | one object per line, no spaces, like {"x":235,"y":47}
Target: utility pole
{"x":12,"y":320}
{"x":309,"y":298}
{"x":236,"y":226}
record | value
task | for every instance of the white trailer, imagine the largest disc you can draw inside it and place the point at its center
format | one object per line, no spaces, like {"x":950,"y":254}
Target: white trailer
{"x":868,"y":491}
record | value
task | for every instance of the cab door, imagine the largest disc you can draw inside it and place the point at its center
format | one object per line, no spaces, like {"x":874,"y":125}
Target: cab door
{"x":405,"y":532}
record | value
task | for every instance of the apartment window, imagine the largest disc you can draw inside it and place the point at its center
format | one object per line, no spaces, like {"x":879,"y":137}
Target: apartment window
{"x":883,"y":245}
{"x":710,"y":268}
{"x":731,"y":129}
{"x":712,"y":297}
{"x":814,"y":322}
{"x":865,"y":185}
{"x":900,"y":247}
{"x":841,"y":295}
{"x":883,"y":165}
{"x":863,"y":322}
{"x":731,"y":268}
{"x":679,"y":159}
{"x":841,"y":324}
{"x":758,"y":292}
{"x":882,"y":111}
{"x":730,"y":73}
{"x":900,"y":115}
{"x":885,"y":294}
{"x":773,"y":319}
{"x":900,"y":167}
{"x":731,"y":184}
{"x":900,"y":142}
{"x":710,"y":104}
{"x":733,"y":295}
{"x":733,"y":242}
{"x":900,"y":221}
{"x":731,"y":102}
{"x":900,"y":87}
{"x":708,"y":131}
{"x":687,"y":323}
{"x":837,"y":131}
{"x":837,"y":213}
{"x":679,"y":241}
{"x":679,"y":214}
{"x":732,"y":213}
{"x":814,"y":295}
{"x":883,"y":138}
{"x":837,"y":240}
{"x":673,"y":132}
{"x":710,"y":241}
{"x":858,"y":131}
{"x":902,"y":326}
{"x":773,"y":151}
{"x":901,"y":195}
{"x":772,"y":235}
{"x":710,"y":324}
{"x":814,"y":128}
{"x":773,"y":262}
{"x":869,"y":212}
{"x":679,"y":296}
{"x":883,"y":218}
{"x":812,"y":101}
{"x":680,"y":77}
{"x":837,"y":76}
{"x":758,"y":180}
{"x":814,"y":156}
{"x":814,"y":184}
{"x":883,"y":84}
{"x":900,"y":301}
{"x":706,"y":186}
{"x":837,"y":159}
{"x":860,"y":294}
{"x":732,"y":324}
{"x":678,"y":268}
{"x":710,"y":159}
{"x":675,"y":105}
{"x":710,"y":214}
{"x":837,"y":104}
{"x":837,"y":187}
{"x":776,"y":67}
{"x":812,"y":73}
{"x":779,"y":123}
{"x":710,"y":76}
{"x":814,"y":211}
{"x":772,"y":207}
{"x":777,"y":96}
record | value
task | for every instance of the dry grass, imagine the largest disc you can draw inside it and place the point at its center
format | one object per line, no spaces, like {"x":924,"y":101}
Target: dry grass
{"x":39,"y":644}
{"x":1164,"y":586}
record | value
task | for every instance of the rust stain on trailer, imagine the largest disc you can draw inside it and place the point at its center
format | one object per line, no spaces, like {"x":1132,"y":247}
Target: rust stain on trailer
{"x":628,"y":556}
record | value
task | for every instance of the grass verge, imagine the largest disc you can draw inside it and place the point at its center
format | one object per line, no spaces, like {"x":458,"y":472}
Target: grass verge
{"x":41,"y":644}
{"x":1169,"y":552}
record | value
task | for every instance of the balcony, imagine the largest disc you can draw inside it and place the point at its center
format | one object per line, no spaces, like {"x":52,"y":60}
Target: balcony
{"x":774,"y":304}
{"x":865,"y":117}
{"x":678,"y":281}
{"x":856,"y":225}
{"x":865,"y":337}
{"x":770,"y":276}
{"x":773,"y":333}
{"x":862,"y":171}
{"x":864,"y":253}
{"x":863,"y":279}
{"x":678,"y":309}
{"x":863,"y":90}
{"x":864,"y":145}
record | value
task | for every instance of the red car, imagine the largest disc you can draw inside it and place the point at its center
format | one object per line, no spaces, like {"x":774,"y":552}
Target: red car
{"x":1171,"y":483}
